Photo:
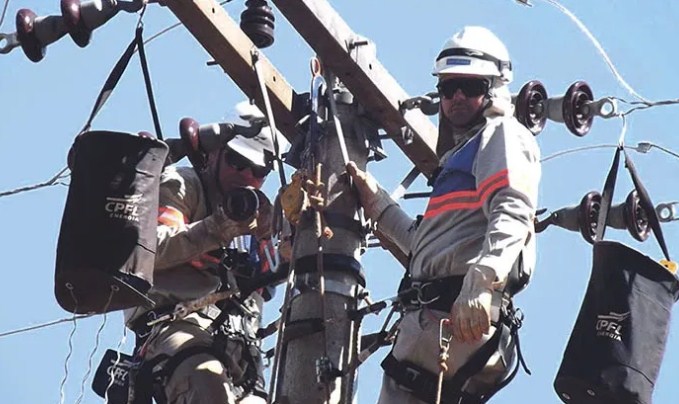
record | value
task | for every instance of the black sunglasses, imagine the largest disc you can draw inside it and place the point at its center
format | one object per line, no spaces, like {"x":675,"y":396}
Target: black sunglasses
{"x":240,"y":163}
{"x":469,"y":87}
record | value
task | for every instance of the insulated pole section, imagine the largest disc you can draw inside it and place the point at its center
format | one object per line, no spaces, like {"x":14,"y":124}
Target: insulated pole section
{"x":320,"y":340}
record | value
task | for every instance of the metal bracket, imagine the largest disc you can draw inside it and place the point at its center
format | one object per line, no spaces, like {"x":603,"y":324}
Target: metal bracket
{"x":606,"y":108}
{"x":427,"y":103}
{"x":11,"y":41}
{"x":326,"y":371}
{"x":667,"y":212}
{"x":407,"y":134}
{"x":405,"y":184}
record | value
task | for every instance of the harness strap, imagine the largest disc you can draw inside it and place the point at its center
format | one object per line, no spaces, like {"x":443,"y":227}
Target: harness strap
{"x":174,"y":361}
{"x":423,"y":384}
{"x":476,"y":362}
{"x":141,"y":388}
{"x":420,"y":382}
{"x":140,"y":325}
{"x":146,"y":384}
{"x":519,"y":362}
{"x":146,"y":377}
{"x":117,"y":73}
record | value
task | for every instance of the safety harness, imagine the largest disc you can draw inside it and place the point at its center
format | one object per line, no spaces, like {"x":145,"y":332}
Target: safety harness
{"x":234,"y":344}
{"x":440,"y":294}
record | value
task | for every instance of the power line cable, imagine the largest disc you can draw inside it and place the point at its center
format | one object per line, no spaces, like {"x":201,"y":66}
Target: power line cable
{"x":4,"y":11}
{"x":55,"y":180}
{"x":583,"y":28}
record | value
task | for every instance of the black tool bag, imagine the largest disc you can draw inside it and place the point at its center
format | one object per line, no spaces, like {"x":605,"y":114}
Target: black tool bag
{"x":107,"y":242}
{"x":618,"y":341}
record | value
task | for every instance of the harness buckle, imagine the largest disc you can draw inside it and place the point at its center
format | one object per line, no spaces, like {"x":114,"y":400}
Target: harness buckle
{"x":513,"y":316}
{"x":421,"y":289}
{"x":412,"y":375}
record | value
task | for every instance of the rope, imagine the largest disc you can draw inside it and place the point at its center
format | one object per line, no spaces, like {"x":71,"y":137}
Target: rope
{"x":318,"y":221}
{"x":114,"y":289}
{"x":287,"y":301}
{"x":115,"y":364}
{"x":269,"y":115}
{"x":444,"y":346}
{"x":62,"y":385}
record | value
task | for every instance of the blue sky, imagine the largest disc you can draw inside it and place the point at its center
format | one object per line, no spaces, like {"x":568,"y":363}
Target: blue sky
{"x":43,"y":106}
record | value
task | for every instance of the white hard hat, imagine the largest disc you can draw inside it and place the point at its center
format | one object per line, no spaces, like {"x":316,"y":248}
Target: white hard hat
{"x":249,"y":112}
{"x":259,"y":149}
{"x":475,"y":51}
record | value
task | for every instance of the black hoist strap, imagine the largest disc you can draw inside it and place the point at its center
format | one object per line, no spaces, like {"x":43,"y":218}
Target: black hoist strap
{"x":644,"y":200}
{"x":117,"y":73}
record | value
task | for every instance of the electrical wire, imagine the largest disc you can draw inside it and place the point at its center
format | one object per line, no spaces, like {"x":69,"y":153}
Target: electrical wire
{"x":583,"y":28}
{"x":173,"y":26}
{"x":640,"y":105}
{"x":55,"y":180}
{"x":4,"y":12}
{"x":641,"y":147}
{"x":44,"y":325}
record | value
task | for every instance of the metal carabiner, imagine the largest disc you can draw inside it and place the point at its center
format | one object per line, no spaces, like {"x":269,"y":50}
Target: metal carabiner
{"x":11,"y":41}
{"x":445,"y":334}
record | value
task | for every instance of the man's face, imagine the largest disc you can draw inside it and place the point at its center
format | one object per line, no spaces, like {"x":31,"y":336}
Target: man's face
{"x":236,"y":171}
{"x":462,"y":98}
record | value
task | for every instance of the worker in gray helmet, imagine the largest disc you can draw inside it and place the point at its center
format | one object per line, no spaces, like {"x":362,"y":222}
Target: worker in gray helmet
{"x":474,"y":246}
{"x":192,"y":359}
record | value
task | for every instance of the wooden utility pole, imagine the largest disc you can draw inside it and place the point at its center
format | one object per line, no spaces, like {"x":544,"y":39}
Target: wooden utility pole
{"x":343,"y":52}
{"x":231,"y":49}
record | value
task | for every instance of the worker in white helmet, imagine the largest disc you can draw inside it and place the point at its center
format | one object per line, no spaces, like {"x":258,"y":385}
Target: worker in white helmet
{"x":474,"y":246}
{"x":196,"y":358}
